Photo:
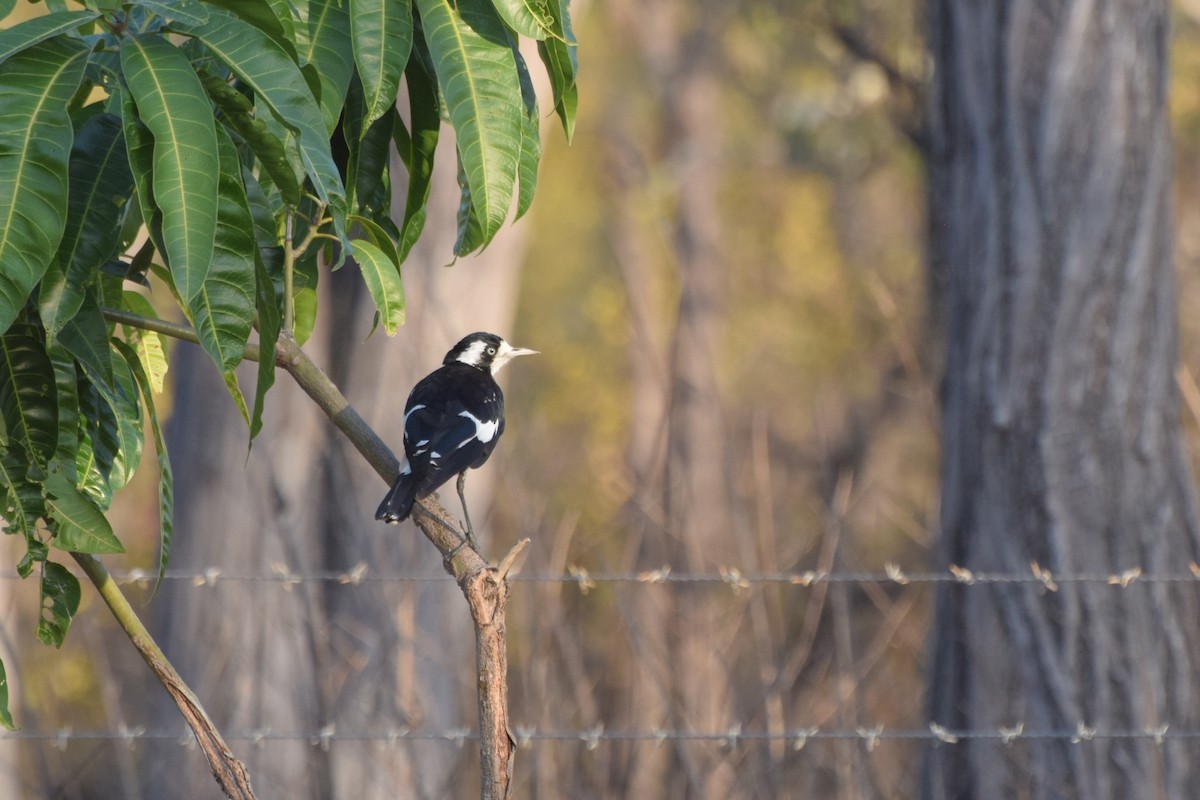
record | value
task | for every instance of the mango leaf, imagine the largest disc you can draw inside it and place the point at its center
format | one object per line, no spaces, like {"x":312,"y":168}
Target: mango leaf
{"x":26,"y":34}
{"x":531,"y":140}
{"x":166,"y":480}
{"x":268,"y":70}
{"x":223,"y":309}
{"x":139,"y":149}
{"x":382,"y":31}
{"x":369,"y":154}
{"x":111,"y":430}
{"x":559,"y":54}
{"x":100,"y":185}
{"x":60,"y":601}
{"x":531,"y":18}
{"x":325,"y":44}
{"x":266,"y":146}
{"x":269,"y":325}
{"x":35,"y":141}
{"x":183,"y":10}
{"x":473,"y":56}
{"x":304,"y":301}
{"x":150,"y":347}
{"x":470,"y":235}
{"x":173,"y":105}
{"x":5,"y":715}
{"x":272,"y":17}
{"x":86,"y":338}
{"x":66,"y":380}
{"x":23,"y":505}
{"x":6,"y":7}
{"x":79,"y":525}
{"x":27,"y":399}
{"x":99,"y":444}
{"x":383,"y":282}
{"x":418,"y":148}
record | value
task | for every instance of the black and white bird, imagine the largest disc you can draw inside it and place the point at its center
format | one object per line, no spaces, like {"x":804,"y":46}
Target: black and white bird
{"x":452,"y":420}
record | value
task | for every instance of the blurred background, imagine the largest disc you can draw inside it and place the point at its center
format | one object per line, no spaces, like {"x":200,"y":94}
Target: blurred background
{"x":738,"y":381}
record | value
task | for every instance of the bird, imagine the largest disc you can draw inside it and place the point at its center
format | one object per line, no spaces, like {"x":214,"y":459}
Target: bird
{"x":453,"y":419}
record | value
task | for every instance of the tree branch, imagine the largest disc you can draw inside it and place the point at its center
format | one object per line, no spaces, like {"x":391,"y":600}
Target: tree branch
{"x":485,"y":587}
{"x":226,"y":768}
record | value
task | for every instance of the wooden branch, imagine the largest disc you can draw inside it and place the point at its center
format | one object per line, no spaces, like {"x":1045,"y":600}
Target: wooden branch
{"x":485,"y":587}
{"x":226,"y":768}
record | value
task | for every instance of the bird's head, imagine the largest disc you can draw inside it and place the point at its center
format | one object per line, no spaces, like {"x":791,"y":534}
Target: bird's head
{"x":484,"y":351}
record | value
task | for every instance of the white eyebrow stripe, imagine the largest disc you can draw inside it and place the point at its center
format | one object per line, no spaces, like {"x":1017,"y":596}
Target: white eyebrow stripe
{"x":484,"y":431}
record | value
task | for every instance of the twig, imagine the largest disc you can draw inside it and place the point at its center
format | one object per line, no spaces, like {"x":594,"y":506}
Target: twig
{"x":226,"y":768}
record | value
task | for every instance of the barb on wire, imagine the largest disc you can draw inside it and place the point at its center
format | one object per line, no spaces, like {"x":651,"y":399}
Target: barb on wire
{"x":729,"y":576}
{"x":734,"y":736}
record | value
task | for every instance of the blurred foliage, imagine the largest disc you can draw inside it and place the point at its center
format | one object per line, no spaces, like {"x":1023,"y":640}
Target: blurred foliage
{"x":822,"y":235}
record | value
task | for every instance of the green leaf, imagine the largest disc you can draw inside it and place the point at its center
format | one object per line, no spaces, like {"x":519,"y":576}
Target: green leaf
{"x":166,"y":479}
{"x":266,"y":146}
{"x":304,"y":300}
{"x":382,"y":31}
{"x":60,"y":601}
{"x":27,"y":398}
{"x":111,"y":437}
{"x":269,"y":325}
{"x":382,"y":278}
{"x":79,"y":525}
{"x":5,"y":715}
{"x":150,"y":347}
{"x":470,"y":235}
{"x":531,"y":141}
{"x":35,"y":141}
{"x":66,"y":379}
{"x":188,"y":11}
{"x":100,"y":186}
{"x":559,"y":54}
{"x":86,"y":338}
{"x":24,"y":35}
{"x":369,"y":153}
{"x":139,"y":148}
{"x":272,"y":17}
{"x":223,"y":309}
{"x":268,"y":70}
{"x":418,"y":150}
{"x":172,"y":103}
{"x":325,"y":44}
{"x":23,"y":504}
{"x":473,"y":57}
{"x":531,"y":18}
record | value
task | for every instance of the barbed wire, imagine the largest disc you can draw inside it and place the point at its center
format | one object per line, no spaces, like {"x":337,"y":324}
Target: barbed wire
{"x":526,"y":736}
{"x":733,"y":577}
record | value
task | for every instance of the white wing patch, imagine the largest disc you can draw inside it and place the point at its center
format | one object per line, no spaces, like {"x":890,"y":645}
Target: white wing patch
{"x":484,"y":431}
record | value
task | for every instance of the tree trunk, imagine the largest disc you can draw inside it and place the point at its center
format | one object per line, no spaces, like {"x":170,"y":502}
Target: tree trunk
{"x":1050,"y":211}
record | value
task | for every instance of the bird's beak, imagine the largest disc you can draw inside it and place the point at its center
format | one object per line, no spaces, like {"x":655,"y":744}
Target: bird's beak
{"x":521,"y":351}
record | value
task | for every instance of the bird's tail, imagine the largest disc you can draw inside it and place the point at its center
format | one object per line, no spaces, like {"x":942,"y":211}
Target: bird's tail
{"x":398,"y":502}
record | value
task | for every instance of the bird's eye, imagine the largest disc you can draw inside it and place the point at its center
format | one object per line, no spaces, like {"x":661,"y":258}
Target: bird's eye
{"x":491,"y":351}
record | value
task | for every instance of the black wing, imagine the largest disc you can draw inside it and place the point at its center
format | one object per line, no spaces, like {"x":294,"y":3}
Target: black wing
{"x":453,"y":419}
